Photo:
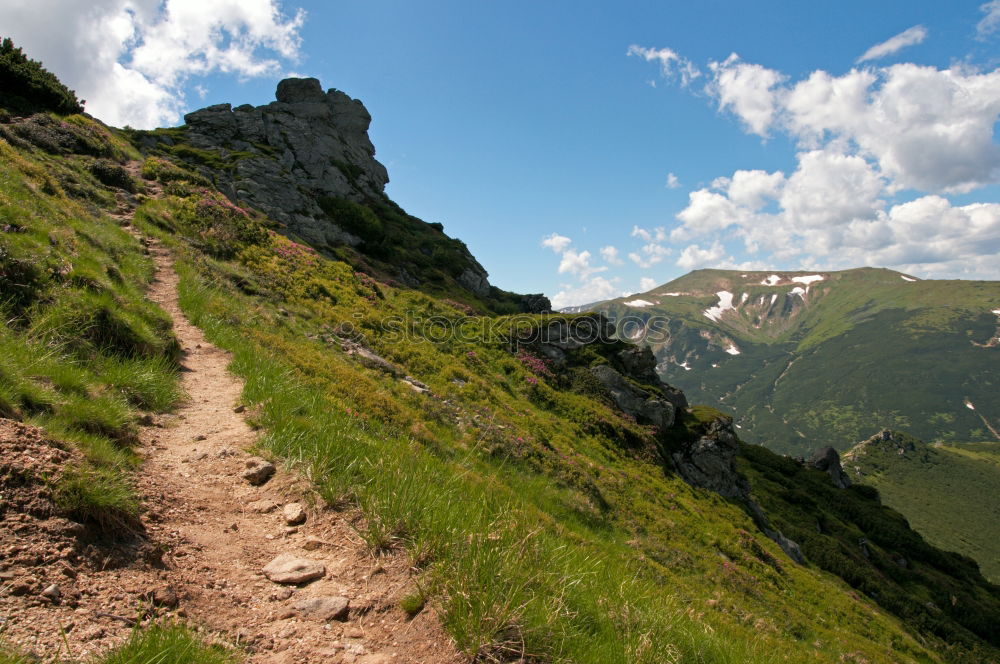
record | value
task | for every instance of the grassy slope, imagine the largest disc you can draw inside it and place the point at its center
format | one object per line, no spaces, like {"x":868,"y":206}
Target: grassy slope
{"x":930,"y":485}
{"x":805,"y":378}
{"x":531,"y":507}
{"x":537,"y":514}
{"x":82,"y":352}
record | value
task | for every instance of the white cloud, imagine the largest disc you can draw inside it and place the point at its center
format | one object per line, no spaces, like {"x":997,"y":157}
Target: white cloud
{"x":927,"y":129}
{"x":646,"y":284}
{"x":671,"y":64}
{"x":869,"y":140}
{"x":658,"y":234}
{"x":989,"y":23}
{"x":672,"y":181}
{"x":694,"y":257}
{"x":748,"y":90}
{"x":557,"y":243}
{"x":578,"y":263}
{"x":909,"y":37}
{"x":591,"y":290}
{"x":649,"y":255}
{"x":706,"y":211}
{"x":610,"y":254}
{"x":140,"y":54}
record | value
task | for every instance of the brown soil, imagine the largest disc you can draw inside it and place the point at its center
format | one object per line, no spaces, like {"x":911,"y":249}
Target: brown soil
{"x":214,"y":533}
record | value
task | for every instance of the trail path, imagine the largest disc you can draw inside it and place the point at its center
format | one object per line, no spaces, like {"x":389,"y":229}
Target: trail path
{"x":221,"y":531}
{"x":216,"y":533}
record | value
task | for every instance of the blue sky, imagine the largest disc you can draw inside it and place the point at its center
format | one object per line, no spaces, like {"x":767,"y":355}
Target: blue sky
{"x":532,"y":134}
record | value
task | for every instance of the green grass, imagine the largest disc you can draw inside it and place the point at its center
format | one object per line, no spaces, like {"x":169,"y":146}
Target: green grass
{"x":171,"y":643}
{"x":167,"y":644}
{"x":81,"y":349}
{"x":947,"y":493}
{"x":804,"y":377}
{"x":535,"y":528}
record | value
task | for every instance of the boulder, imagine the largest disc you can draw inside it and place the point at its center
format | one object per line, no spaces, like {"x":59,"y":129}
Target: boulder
{"x":828,"y":461}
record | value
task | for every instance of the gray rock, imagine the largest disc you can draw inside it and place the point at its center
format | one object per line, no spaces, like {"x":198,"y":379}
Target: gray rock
{"x":293,"y":90}
{"x":258,"y":471}
{"x":324,"y":608}
{"x":290,"y":569}
{"x":791,"y":548}
{"x":370,"y":359}
{"x":52,"y":593}
{"x":475,"y":280}
{"x":645,"y":407}
{"x":294,"y":514}
{"x":828,"y":461}
{"x":710,"y":461}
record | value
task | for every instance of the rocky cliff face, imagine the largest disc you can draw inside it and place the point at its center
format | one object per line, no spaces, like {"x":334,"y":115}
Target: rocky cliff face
{"x":306,"y":145}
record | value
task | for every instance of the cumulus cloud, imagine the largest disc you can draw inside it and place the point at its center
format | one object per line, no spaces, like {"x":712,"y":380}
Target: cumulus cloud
{"x":989,"y":23}
{"x":590,"y":290}
{"x":908,"y":37}
{"x":879,"y":151}
{"x":557,"y":243}
{"x":646,"y":284}
{"x":748,"y":90}
{"x":694,"y":257}
{"x":672,"y":181}
{"x":610,"y":254}
{"x":131,"y":59}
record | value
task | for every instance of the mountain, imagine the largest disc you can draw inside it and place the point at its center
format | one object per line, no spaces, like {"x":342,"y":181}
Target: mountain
{"x":805,"y":360}
{"x":948,"y":492}
{"x":540,"y":493}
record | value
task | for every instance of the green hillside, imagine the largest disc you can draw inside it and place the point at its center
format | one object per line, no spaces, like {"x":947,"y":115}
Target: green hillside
{"x":948,"y":493}
{"x":557,"y":502}
{"x":806,"y":360}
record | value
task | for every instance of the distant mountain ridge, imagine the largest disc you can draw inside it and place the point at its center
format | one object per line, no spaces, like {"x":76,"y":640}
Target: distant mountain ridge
{"x":809,"y":359}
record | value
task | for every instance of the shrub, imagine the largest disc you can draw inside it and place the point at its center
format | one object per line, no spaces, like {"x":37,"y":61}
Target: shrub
{"x":353,"y":218}
{"x":112,"y":175}
{"x":27,"y":87}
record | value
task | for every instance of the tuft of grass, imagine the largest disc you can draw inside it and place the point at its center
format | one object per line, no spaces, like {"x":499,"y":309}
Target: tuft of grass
{"x":101,"y":496}
{"x":148,"y":383}
{"x":167,"y":644}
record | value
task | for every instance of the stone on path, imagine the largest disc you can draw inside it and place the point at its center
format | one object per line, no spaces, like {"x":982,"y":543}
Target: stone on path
{"x":258,"y":471}
{"x":294,"y":514}
{"x":324,"y":608}
{"x":288,"y":568}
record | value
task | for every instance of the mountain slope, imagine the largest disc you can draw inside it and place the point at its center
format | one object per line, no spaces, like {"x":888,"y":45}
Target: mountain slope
{"x":947,"y":492}
{"x":806,"y":360}
{"x":557,"y":501}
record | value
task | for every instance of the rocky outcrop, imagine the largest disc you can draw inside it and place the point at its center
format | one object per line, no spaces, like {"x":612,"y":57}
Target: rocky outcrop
{"x":646,"y":407}
{"x":828,"y":461}
{"x":306,"y":145}
{"x":710,"y":461}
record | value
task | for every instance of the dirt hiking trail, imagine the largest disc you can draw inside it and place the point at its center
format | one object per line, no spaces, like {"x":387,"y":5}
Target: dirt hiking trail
{"x":207,"y":533}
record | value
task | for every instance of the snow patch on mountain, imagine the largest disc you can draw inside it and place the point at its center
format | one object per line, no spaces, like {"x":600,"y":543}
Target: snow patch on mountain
{"x":725,"y":302}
